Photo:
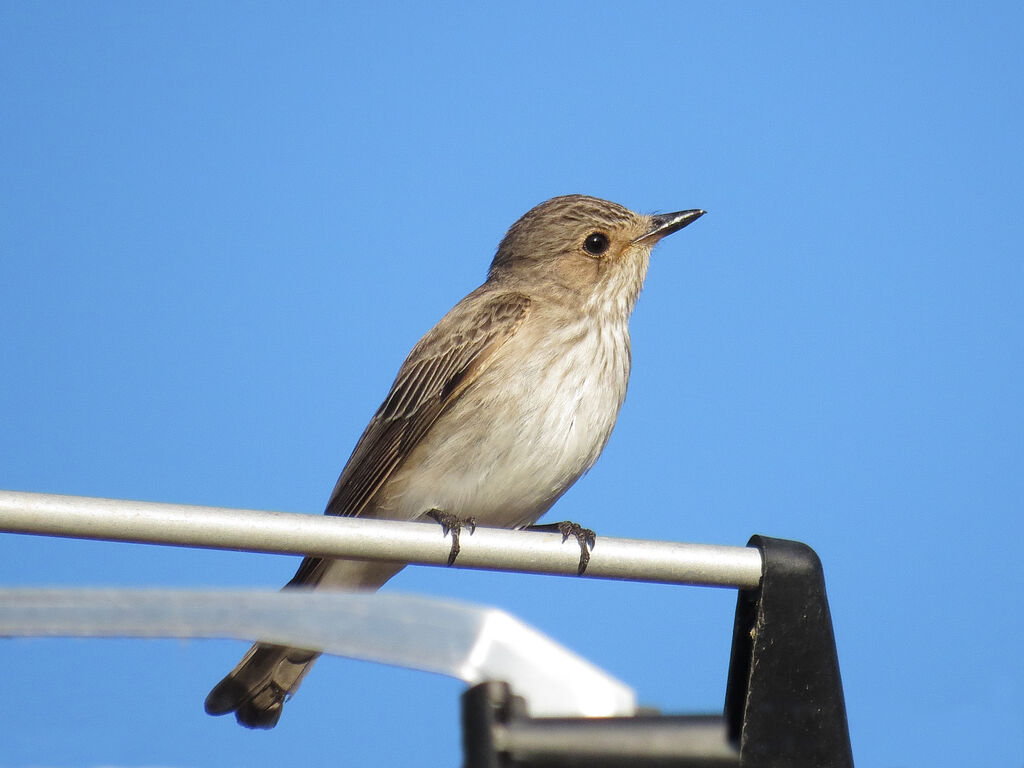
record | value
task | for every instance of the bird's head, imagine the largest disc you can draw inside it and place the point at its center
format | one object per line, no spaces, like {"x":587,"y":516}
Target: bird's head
{"x":581,"y":247}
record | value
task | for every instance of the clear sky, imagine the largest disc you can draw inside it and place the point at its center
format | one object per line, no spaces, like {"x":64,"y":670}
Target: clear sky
{"x":222,"y":228}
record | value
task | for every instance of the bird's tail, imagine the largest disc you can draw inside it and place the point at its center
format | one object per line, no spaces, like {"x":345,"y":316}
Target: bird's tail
{"x":256,"y":689}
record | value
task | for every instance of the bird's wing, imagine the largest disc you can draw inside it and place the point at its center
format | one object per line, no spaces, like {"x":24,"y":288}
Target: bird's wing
{"x":440,"y":367}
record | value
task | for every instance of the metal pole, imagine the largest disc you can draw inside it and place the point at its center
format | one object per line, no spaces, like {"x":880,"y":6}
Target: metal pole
{"x":421,"y":543}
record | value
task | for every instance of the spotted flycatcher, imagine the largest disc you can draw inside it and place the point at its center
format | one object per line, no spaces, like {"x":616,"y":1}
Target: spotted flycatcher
{"x":501,"y":407}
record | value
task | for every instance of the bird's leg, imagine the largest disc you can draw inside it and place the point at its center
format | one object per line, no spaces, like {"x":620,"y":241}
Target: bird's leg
{"x":584,"y":536}
{"x":452,"y":524}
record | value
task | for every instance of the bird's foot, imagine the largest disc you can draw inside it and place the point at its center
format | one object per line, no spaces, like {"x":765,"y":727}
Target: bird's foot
{"x":585,"y":537}
{"x":452,"y":524}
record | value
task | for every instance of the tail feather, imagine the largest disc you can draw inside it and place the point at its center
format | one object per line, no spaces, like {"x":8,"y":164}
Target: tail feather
{"x":257,"y":688}
{"x":268,"y":675}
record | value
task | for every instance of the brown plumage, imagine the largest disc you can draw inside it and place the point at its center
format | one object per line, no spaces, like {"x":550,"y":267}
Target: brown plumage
{"x":497,"y":410}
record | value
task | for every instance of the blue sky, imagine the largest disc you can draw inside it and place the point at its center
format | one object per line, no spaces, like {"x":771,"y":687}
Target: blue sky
{"x":221,"y":230}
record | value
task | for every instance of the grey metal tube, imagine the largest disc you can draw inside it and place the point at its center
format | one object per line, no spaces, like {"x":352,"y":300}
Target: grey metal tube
{"x":421,"y":543}
{"x":622,"y":741}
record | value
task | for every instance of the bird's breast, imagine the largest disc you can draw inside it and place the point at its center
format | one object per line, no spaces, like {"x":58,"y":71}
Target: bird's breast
{"x":533,"y":422}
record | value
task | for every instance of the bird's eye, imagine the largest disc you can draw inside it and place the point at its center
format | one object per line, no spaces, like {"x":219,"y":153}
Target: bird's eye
{"x":596,"y":243}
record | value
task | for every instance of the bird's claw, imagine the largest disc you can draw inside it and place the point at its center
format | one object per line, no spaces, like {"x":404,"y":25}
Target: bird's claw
{"x":584,"y":536}
{"x":452,"y":524}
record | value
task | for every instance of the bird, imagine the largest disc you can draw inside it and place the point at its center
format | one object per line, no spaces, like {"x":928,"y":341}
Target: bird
{"x":504,"y":404}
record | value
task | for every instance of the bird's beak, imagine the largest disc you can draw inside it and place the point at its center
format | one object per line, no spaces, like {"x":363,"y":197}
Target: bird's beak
{"x":667,"y":223}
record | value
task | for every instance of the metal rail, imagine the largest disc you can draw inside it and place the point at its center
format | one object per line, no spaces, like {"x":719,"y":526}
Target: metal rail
{"x":412,"y":542}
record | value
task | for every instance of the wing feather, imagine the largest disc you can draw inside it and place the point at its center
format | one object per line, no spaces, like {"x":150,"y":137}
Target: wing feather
{"x":438,"y":370}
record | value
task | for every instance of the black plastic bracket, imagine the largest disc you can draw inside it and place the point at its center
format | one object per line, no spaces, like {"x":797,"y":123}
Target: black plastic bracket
{"x":784,"y":699}
{"x":784,"y":705}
